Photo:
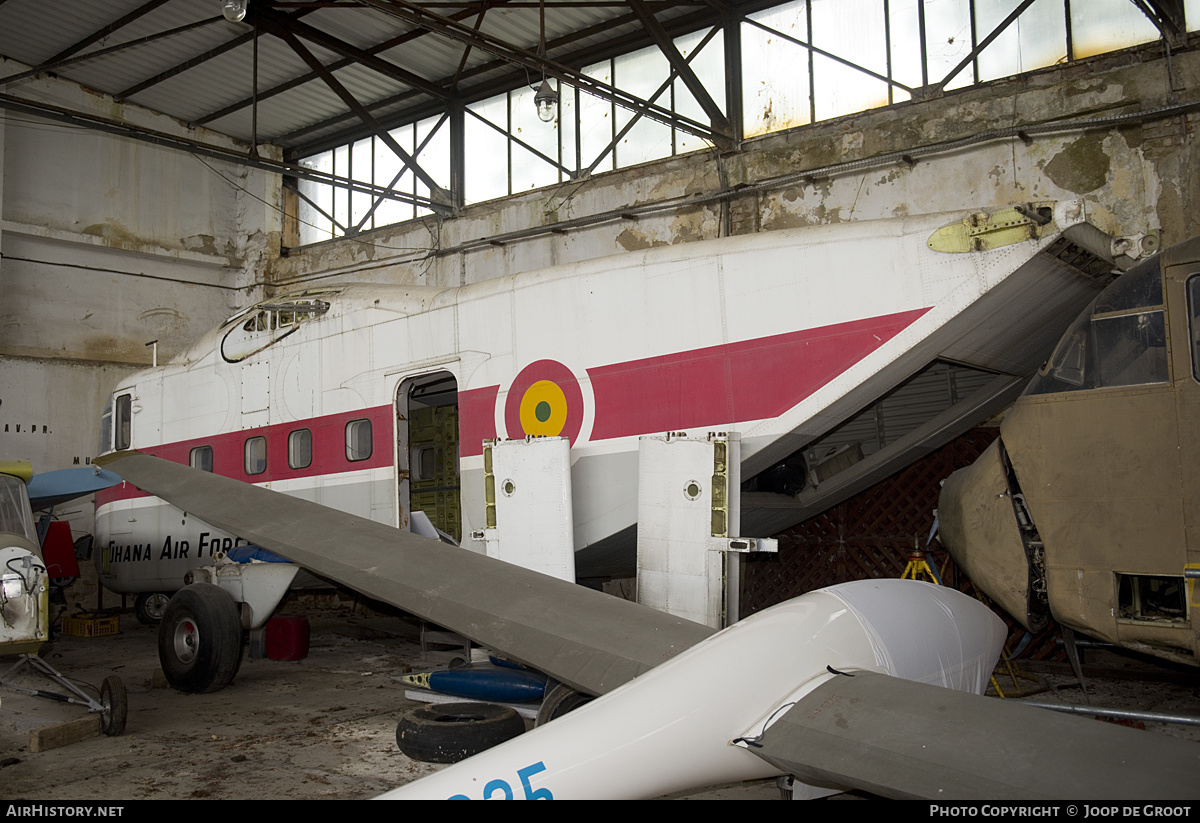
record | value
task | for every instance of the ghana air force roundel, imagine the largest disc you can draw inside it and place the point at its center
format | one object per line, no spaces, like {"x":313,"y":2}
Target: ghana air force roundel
{"x":544,"y":400}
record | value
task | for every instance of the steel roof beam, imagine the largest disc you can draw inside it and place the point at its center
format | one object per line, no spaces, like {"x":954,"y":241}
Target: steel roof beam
{"x":93,"y":55}
{"x":396,"y":179}
{"x":477,"y":93}
{"x":305,"y":78}
{"x":580,"y":57}
{"x":357,"y":55}
{"x":1166,"y":15}
{"x":666,"y":84}
{"x":417,"y":16}
{"x":100,"y":34}
{"x":717,"y":118}
{"x":191,"y":63}
{"x":439,"y":195}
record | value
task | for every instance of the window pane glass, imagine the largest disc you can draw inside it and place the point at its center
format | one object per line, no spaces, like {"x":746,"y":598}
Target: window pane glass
{"x":709,"y":66}
{"x":486,"y":173}
{"x":362,"y":163}
{"x":315,"y":226}
{"x":775,"y":93}
{"x":568,"y":126}
{"x":358,"y":440}
{"x":300,"y":449}
{"x":1036,"y":39}
{"x":948,"y":40}
{"x":256,"y":455}
{"x":341,"y":200}
{"x":1098,"y":26}
{"x":388,"y":167}
{"x":528,"y":170}
{"x":596,"y":120}
{"x":904,"y":34}
{"x":843,"y":90}
{"x":434,"y":158}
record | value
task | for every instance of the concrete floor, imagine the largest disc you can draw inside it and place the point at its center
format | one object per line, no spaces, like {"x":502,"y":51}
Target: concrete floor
{"x":323,"y":727}
{"x":320,"y":728}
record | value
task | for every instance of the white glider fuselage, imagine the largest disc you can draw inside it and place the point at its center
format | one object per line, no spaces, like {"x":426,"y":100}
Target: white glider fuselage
{"x":679,"y":725}
{"x":779,"y":336}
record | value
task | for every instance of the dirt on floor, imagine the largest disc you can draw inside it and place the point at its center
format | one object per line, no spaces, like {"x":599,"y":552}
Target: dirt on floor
{"x":322,"y":727}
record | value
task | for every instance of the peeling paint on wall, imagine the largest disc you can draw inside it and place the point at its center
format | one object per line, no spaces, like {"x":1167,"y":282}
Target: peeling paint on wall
{"x":1083,"y":166}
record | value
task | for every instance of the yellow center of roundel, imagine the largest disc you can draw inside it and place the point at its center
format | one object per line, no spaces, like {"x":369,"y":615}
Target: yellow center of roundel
{"x":543,"y":409}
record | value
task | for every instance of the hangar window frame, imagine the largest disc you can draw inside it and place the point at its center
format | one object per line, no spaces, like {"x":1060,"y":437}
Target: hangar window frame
{"x":786,"y":66}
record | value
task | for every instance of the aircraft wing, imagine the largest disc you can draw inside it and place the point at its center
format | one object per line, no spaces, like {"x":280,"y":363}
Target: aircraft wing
{"x":703,"y":710}
{"x":591,"y":641}
{"x":907,"y":740}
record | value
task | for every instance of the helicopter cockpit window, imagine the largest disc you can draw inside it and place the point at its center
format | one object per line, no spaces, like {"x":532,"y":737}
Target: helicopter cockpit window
{"x":15,"y":516}
{"x":1193,"y":300}
{"x":1119,"y":340}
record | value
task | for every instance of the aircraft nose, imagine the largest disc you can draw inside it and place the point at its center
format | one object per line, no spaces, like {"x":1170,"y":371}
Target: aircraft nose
{"x":979,"y":528}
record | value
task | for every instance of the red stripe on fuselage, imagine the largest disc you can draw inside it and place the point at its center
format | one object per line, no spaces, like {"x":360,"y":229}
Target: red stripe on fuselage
{"x":328,"y":450}
{"x":476,"y":419}
{"x":735,"y":382}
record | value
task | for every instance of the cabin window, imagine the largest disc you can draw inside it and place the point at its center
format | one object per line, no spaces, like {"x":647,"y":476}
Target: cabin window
{"x":358,"y":440}
{"x":201,"y":458}
{"x":422,"y":464}
{"x":300,"y":449}
{"x":256,"y":455}
{"x":124,"y":421}
{"x":1193,"y":302}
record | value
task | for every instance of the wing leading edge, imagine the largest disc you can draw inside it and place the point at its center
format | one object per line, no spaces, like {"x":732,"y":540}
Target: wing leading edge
{"x":591,"y":641}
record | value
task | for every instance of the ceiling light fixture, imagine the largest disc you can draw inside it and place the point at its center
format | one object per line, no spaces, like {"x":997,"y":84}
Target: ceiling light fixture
{"x":546,"y":98}
{"x":546,"y":101}
{"x":234,"y":10}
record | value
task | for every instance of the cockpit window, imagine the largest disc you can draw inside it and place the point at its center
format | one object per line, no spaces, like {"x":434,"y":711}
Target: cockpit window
{"x":15,"y":516}
{"x":269,"y":323}
{"x":1119,"y":340}
{"x":106,"y":432}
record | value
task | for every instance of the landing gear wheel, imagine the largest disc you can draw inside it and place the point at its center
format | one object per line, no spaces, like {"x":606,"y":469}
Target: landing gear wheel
{"x":558,"y":701}
{"x":150,"y":607}
{"x":450,"y":732}
{"x":200,"y":639}
{"x":116,"y":706}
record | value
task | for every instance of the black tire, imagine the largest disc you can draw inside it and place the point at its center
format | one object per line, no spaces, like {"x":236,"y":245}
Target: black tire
{"x":149,"y":607}
{"x":450,"y":732}
{"x":200,"y":639}
{"x":116,"y":706}
{"x":558,"y":701}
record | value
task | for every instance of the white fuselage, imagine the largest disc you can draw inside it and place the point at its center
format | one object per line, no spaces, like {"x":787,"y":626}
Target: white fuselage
{"x":778,"y":336}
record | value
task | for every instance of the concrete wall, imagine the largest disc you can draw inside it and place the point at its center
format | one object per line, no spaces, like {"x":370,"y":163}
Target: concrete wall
{"x":1136,"y":178}
{"x":106,"y":244}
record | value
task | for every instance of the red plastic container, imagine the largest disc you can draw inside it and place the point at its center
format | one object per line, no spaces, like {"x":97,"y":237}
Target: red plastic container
{"x":287,"y":637}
